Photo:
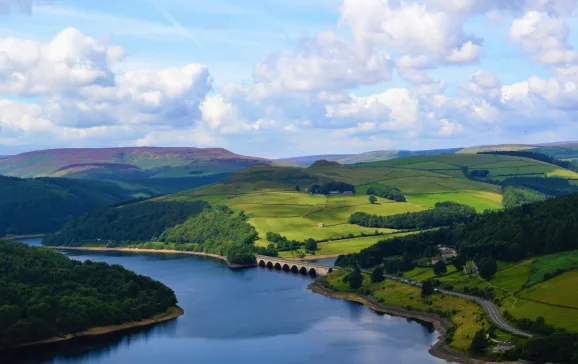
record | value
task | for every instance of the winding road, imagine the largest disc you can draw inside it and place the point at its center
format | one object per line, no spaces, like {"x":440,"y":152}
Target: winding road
{"x":489,"y":308}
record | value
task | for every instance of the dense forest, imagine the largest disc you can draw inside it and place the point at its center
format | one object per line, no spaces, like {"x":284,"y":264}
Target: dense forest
{"x":390,"y":193}
{"x":443,"y":214}
{"x":326,"y":188}
{"x":44,"y":294}
{"x":534,"y":229}
{"x":554,"y":187}
{"x":135,"y":222}
{"x":536,"y":156}
{"x":217,"y":230}
{"x":41,"y":205}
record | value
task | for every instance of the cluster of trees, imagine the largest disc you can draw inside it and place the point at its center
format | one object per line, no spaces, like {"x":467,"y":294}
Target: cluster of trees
{"x":536,"y":156}
{"x":45,"y":294}
{"x":443,"y":214}
{"x":216,"y":230}
{"x":355,"y":278}
{"x":281,"y":243}
{"x":135,"y":222}
{"x":325,"y":188}
{"x":479,"y":173}
{"x":514,"y":197}
{"x":42,"y":205}
{"x":398,"y":264}
{"x":390,"y":193}
{"x":534,"y":229}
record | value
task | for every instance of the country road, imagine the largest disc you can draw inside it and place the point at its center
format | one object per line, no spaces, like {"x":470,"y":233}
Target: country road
{"x":489,"y":308}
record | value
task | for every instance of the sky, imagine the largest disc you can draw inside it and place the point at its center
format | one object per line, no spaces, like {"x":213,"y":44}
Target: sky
{"x":288,"y":77}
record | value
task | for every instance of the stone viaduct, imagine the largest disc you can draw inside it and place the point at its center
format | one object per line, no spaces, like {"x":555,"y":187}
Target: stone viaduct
{"x":295,"y":266}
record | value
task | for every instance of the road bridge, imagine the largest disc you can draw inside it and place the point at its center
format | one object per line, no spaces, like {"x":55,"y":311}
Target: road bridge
{"x":295,"y":266}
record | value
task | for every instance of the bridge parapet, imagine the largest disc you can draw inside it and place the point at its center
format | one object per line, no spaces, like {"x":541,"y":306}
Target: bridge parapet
{"x":295,"y":266}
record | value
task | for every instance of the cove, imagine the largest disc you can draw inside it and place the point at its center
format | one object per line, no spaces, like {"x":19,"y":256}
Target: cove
{"x":248,"y":316}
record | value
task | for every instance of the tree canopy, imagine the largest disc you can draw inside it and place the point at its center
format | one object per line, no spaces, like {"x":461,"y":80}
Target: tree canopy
{"x":44,"y":294}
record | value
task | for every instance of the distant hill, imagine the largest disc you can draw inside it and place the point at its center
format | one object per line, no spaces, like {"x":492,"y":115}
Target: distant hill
{"x":382,"y":155}
{"x":126,"y":163}
{"x":495,"y":148}
{"x":33,"y":206}
{"x":310,"y":159}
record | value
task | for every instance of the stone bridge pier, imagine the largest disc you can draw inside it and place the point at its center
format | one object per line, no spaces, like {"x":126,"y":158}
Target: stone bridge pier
{"x":294,"y":266}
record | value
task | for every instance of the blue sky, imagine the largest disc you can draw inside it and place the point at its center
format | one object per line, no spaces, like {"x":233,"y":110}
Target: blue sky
{"x":300,"y":77}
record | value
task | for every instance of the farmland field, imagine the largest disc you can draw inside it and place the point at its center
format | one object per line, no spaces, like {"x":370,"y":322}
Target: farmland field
{"x":548,"y":264}
{"x":479,"y":200}
{"x":560,"y":290}
{"x":558,"y":316}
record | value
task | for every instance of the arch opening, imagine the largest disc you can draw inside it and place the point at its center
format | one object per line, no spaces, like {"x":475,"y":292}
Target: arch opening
{"x":312,"y":272}
{"x":261,"y":263}
{"x":286,"y":267}
{"x":277,"y":266}
{"x":269,"y":265}
{"x":303,"y":270}
{"x":294,"y":269}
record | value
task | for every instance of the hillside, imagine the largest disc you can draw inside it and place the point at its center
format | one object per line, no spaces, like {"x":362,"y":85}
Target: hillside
{"x":392,"y":154}
{"x":32,"y":206}
{"x":310,"y":159}
{"x":127,"y":163}
{"x":45,"y":294}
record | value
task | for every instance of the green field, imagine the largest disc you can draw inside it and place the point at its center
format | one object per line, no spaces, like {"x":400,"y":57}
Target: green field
{"x":559,"y":290}
{"x":558,"y":316}
{"x":479,"y":200}
{"x":548,"y":264}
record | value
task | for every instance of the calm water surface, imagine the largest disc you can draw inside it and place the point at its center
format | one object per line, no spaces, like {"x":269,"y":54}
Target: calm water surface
{"x":250,"y":316}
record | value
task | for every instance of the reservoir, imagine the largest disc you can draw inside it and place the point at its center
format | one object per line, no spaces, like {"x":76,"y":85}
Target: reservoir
{"x":248,"y":316}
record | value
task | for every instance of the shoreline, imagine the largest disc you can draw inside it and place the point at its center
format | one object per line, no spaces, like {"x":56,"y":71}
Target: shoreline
{"x":171,"y":314}
{"x":440,"y":324}
{"x":163,"y":251}
{"x":313,"y":257}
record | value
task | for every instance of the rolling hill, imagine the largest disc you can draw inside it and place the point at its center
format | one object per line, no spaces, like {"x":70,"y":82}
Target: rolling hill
{"x":127,"y":163}
{"x":310,"y":159}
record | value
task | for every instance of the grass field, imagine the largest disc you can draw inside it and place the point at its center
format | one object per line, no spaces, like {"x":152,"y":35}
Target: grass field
{"x":467,"y":316}
{"x":345,"y":246}
{"x":557,"y":290}
{"x":548,"y":264}
{"x":560,"y":317}
{"x":479,"y":200}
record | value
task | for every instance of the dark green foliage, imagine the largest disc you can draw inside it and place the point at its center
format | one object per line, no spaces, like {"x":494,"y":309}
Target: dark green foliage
{"x":557,"y":348}
{"x":297,"y":188}
{"x":487,"y":267}
{"x":479,"y":173}
{"x":135,"y":222}
{"x":326,"y":188}
{"x":459,"y":262}
{"x":310,"y":245}
{"x":283,"y":244}
{"x":215,"y":230}
{"x":479,"y":344}
{"x":390,"y":193}
{"x":514,"y":197}
{"x":377,"y":274}
{"x":270,"y":250}
{"x":540,"y":228}
{"x":397,"y":264}
{"x":355,"y":279}
{"x":43,"y":205}
{"x":550,"y":186}
{"x":443,"y":214}
{"x":372,"y":199}
{"x":240,"y":254}
{"x":440,"y":268}
{"x":427,"y":288}
{"x":45,"y":294}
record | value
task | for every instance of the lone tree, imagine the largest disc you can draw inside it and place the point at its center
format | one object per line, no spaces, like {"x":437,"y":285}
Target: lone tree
{"x":440,"y":268}
{"x":480,"y":343}
{"x":355,"y":279}
{"x":310,"y":245}
{"x":297,"y":188}
{"x":459,"y":262}
{"x":427,"y":288}
{"x":487,"y":267}
{"x":377,"y":274}
{"x":372,"y":199}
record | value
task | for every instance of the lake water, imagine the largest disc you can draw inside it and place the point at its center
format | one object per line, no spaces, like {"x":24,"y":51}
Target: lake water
{"x":248,"y":316}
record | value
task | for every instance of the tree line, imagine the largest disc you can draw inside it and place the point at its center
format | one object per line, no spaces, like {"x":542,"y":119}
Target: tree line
{"x":540,"y":228}
{"x":443,"y":214}
{"x":536,"y":156}
{"x":45,"y":294}
{"x":326,"y":188}
{"x":390,"y":193}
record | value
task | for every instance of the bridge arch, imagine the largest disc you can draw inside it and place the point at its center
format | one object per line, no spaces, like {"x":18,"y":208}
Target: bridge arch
{"x":286,"y":267}
{"x":303,"y":271}
{"x":294,"y":269}
{"x":277,"y":266}
{"x":261,"y":263}
{"x":269,"y":265}
{"x":312,"y":272}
